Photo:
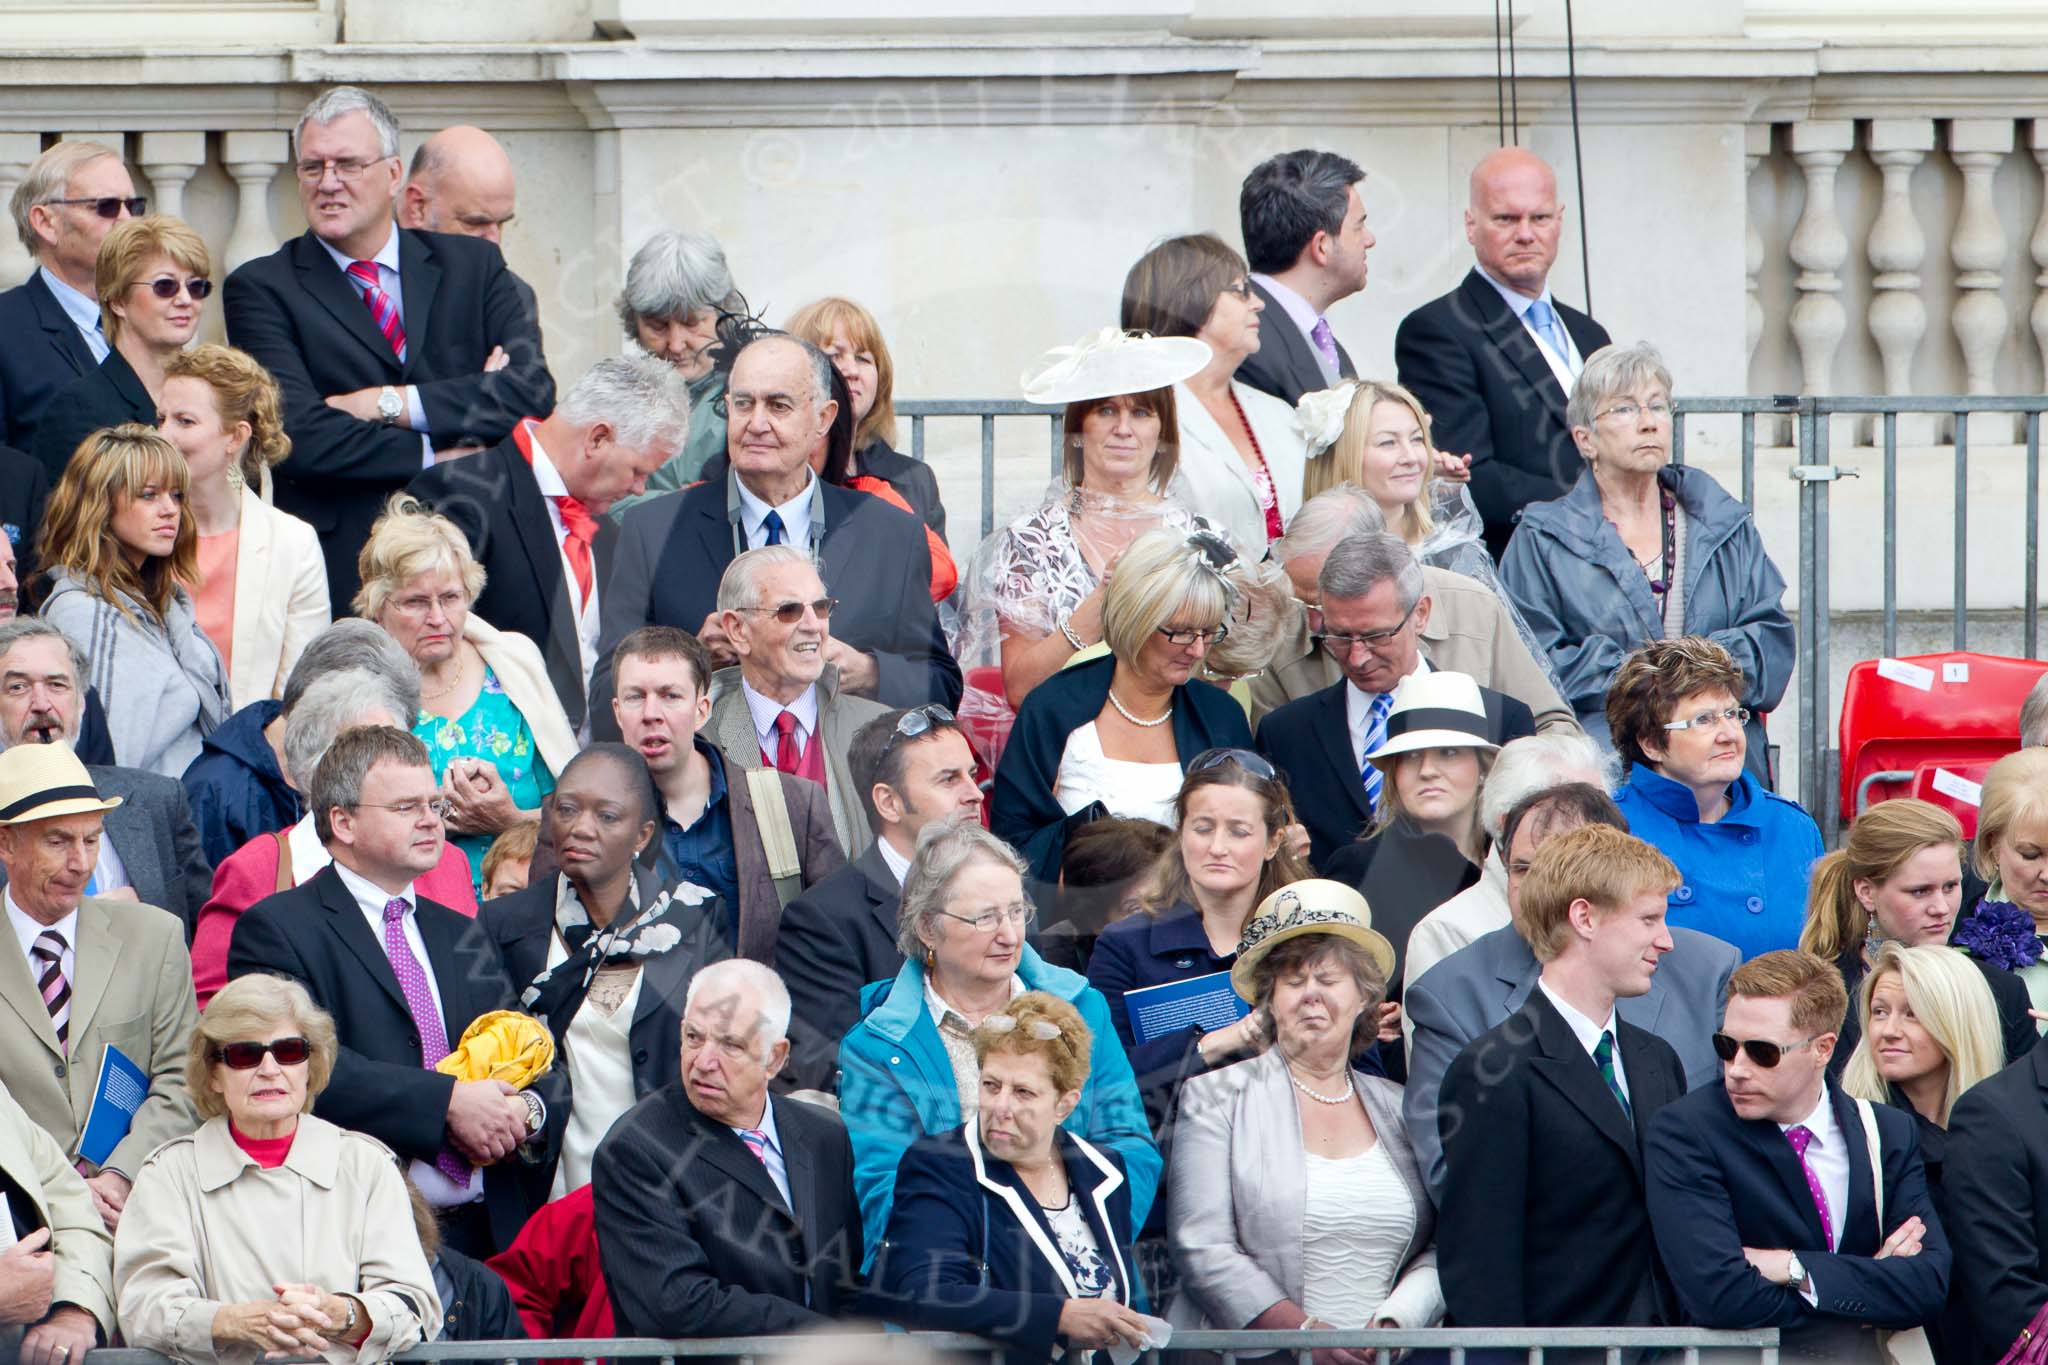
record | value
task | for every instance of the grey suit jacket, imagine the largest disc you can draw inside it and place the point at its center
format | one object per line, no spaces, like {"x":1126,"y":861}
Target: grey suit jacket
{"x":839,"y":715}
{"x":1480,"y":985}
{"x":131,"y":989}
{"x":153,"y":833}
{"x":1238,"y":1188}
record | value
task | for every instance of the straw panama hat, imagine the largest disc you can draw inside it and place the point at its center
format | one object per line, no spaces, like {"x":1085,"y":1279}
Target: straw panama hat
{"x":1112,"y":362}
{"x":44,"y":781}
{"x":1315,"y":906}
{"x":1434,"y":710}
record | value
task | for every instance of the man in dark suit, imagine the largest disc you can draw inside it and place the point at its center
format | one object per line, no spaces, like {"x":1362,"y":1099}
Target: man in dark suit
{"x":723,"y":1210}
{"x":1495,"y":359}
{"x":913,"y":769}
{"x":71,"y":198}
{"x":1305,"y":239}
{"x":885,"y":642}
{"x":393,"y":348}
{"x":1479,"y":986}
{"x":1761,"y":1188}
{"x":533,"y":508}
{"x":404,"y":978}
{"x":1541,"y":1220}
{"x":24,"y":488}
{"x":1995,"y":1212}
{"x":1372,"y":616}
{"x":149,"y":849}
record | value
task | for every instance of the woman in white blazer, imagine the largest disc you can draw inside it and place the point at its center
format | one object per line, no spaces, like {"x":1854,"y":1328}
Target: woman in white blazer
{"x":1241,"y":458}
{"x":262,"y":590}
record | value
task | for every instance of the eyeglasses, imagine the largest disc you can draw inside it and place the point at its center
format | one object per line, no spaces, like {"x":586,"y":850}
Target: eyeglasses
{"x":1022,"y":914}
{"x":345,"y":169}
{"x":1764,"y":1053}
{"x":1629,"y":412}
{"x":1242,"y":288}
{"x":789,"y":613}
{"x":247,"y":1056}
{"x":1255,"y":764}
{"x":918,"y":720}
{"x":1180,"y":637}
{"x":166,"y":287}
{"x":412,"y":810}
{"x":111,"y":205}
{"x":1706,"y":720}
{"x":1044,"y":1030}
{"x":420,"y":605}
{"x":1342,"y":643}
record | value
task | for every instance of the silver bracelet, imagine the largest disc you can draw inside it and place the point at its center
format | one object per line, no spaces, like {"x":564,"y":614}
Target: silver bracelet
{"x":1067,"y":629}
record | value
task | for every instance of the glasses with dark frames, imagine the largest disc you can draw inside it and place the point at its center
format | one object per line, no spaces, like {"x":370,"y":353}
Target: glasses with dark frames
{"x":247,"y":1056}
{"x":1763,"y":1052}
{"x":110,"y":206}
{"x":789,"y":613}
{"x":167,"y":286}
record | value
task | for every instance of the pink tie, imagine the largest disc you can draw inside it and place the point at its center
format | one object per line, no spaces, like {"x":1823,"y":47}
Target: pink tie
{"x":383,"y":308}
{"x":412,"y":981}
{"x":1800,"y":1136}
{"x":55,"y":990}
{"x":757,"y":1143}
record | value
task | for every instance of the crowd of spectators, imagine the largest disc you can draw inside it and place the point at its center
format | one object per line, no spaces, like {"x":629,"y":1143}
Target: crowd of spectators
{"x":1319,"y":867}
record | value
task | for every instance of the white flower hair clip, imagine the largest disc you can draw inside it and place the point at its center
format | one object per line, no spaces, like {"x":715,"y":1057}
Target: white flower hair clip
{"x":1320,"y":415}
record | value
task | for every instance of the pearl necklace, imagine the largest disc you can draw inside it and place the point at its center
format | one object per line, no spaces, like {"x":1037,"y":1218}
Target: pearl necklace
{"x":1125,"y":712}
{"x":1318,"y":1097}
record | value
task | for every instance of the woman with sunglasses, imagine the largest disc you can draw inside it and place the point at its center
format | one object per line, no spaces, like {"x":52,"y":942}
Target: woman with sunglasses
{"x":908,"y":1069}
{"x":1898,"y":879}
{"x":153,"y":279}
{"x":269,"y":1231}
{"x":1744,"y":851}
{"x":488,"y":714}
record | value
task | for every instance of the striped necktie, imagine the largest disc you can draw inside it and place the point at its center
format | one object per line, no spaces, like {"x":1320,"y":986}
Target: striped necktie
{"x":383,"y":308}
{"x":1375,"y":735}
{"x":757,"y":1143}
{"x":1603,"y":1053}
{"x":56,"y":991}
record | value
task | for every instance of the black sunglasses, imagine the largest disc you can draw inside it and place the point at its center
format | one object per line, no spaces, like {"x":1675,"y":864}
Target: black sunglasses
{"x":111,"y":206}
{"x":1255,"y":764}
{"x":248,"y":1056}
{"x":918,"y":720}
{"x":1764,"y":1053}
{"x":166,"y":287}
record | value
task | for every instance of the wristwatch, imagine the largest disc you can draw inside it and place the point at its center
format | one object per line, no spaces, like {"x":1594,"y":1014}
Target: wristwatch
{"x":390,"y":404}
{"x":533,"y":1111}
{"x":348,"y":1329}
{"x":1795,"y":1271}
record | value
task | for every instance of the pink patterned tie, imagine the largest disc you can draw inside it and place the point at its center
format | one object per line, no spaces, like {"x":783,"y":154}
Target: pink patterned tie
{"x":383,"y":308}
{"x":55,"y":990}
{"x":412,"y":980}
{"x":757,"y":1143}
{"x":1800,"y":1136}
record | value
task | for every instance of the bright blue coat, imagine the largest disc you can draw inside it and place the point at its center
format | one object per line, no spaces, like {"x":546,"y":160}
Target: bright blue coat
{"x":896,"y":1086}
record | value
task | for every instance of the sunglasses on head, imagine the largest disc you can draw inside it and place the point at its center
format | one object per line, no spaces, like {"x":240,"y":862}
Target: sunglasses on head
{"x":1764,"y":1053}
{"x":166,"y":287}
{"x":1255,"y":764}
{"x":111,"y":205}
{"x":247,"y":1056}
{"x":918,"y":720}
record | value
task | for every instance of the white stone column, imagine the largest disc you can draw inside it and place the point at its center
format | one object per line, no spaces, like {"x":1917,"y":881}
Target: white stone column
{"x":170,"y":160}
{"x":1897,"y":249}
{"x":17,"y":150}
{"x":1978,"y":249}
{"x":253,"y":159}
{"x":1756,"y":145}
{"x":1818,"y":248}
{"x":2038,"y":248}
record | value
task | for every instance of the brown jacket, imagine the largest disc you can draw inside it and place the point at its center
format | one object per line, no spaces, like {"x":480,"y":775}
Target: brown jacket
{"x":817,"y":852}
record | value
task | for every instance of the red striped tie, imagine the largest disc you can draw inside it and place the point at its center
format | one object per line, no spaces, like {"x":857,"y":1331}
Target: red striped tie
{"x":383,"y":308}
{"x":55,"y":990}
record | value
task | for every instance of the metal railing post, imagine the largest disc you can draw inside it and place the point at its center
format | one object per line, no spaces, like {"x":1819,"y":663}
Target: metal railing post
{"x":1811,"y":702}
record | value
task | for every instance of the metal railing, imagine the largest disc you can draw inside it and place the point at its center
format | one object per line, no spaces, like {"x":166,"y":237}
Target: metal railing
{"x":1812,"y":467}
{"x":877,"y":1348}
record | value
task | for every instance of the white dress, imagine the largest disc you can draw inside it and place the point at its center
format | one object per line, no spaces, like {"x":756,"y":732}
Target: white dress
{"x":1355,"y":1227}
{"x":1139,"y":791}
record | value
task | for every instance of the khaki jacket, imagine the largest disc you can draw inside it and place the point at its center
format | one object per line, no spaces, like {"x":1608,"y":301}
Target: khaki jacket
{"x":731,"y":728}
{"x":206,"y":1226}
{"x":47,"y":1192}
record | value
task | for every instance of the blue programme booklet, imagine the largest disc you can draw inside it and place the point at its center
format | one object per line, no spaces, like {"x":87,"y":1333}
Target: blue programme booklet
{"x":119,"y":1093}
{"x":1204,"y":1001}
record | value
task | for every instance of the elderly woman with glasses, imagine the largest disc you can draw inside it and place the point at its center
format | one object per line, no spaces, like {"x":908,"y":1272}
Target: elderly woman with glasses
{"x":488,"y":714}
{"x":270,"y":1231}
{"x":1745,"y":853}
{"x":908,"y":1069}
{"x":1113,"y":735}
{"x":153,"y":277}
{"x":1641,"y":549}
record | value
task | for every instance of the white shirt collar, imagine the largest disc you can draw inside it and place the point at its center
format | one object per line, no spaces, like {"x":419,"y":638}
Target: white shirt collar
{"x":82,"y":308}
{"x":936,"y":1006}
{"x":898,"y":864}
{"x":1586,"y":1030}
{"x":385,"y":259}
{"x":1519,"y":302}
{"x":27,"y":928}
{"x":1821,"y":1122}
{"x":795,"y":514}
{"x":369,"y":895}
{"x":1298,"y":309}
{"x":544,"y":472}
{"x":764,"y":710}
{"x":766,"y":1127}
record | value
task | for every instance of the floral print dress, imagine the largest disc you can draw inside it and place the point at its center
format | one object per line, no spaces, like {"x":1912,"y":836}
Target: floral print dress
{"x":493,"y":730}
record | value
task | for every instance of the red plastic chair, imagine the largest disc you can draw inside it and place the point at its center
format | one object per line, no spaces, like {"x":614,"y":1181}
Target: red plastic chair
{"x":1953,"y":787}
{"x":1967,"y":712}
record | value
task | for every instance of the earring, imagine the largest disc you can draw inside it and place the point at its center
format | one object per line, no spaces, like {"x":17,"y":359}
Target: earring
{"x":931,"y":956}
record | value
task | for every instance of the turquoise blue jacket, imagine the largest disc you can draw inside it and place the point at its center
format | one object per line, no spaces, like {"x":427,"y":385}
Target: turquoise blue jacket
{"x":896,"y":1086}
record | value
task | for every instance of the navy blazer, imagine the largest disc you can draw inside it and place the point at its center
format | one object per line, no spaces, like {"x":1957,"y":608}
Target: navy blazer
{"x":1995,"y":1188}
{"x":834,"y":939}
{"x":1309,"y":740}
{"x":1022,"y":808}
{"x":1152,"y":950}
{"x":24,"y":488}
{"x":1719,"y":1183}
{"x":873,"y":557}
{"x":969,"y":1250}
{"x":106,"y":396}
{"x":44,"y":353}
{"x":1285,"y":364}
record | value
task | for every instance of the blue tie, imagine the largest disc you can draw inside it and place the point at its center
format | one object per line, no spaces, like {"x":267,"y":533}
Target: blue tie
{"x":1543,"y":318}
{"x":771,"y":528}
{"x":1375,"y":735}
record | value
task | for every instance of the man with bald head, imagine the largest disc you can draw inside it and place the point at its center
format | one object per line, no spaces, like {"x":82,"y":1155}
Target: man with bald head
{"x":460,"y":181}
{"x":1494,"y":359}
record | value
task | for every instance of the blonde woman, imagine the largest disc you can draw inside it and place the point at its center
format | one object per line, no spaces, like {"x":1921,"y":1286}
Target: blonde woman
{"x":262,"y":586}
{"x":488,"y":715}
{"x":1898,"y":878}
{"x":2011,"y":854}
{"x":119,"y":549}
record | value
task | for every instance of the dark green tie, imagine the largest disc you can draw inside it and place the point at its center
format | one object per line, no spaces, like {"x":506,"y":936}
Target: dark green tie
{"x":1603,"y":1053}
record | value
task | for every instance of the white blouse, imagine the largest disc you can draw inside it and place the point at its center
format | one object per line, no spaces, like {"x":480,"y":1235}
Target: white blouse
{"x":1141,"y":791}
{"x":598,"y":1050}
{"x":1355,"y":1228}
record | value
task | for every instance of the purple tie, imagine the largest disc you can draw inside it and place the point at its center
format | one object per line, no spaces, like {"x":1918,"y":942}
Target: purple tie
{"x":412,"y":980}
{"x":1800,"y":1136}
{"x":1326,"y":343}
